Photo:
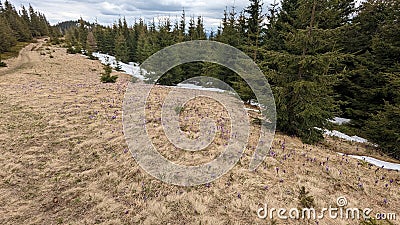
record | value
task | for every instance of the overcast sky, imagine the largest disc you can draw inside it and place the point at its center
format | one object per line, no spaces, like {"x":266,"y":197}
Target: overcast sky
{"x":107,"y":11}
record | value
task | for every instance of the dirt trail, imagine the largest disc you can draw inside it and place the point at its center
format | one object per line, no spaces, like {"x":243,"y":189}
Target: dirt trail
{"x":27,"y":57}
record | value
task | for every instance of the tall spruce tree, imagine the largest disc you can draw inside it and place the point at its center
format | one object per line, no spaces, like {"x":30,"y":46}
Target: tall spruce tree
{"x":200,"y":31}
{"x":91,"y":43}
{"x":255,"y":25}
{"x":303,"y":68}
{"x":369,"y":90}
{"x":182,"y":27}
{"x":192,"y":35}
{"x":121,"y":49}
{"x":16,"y":22}
{"x":82,"y":33}
{"x":7,"y":39}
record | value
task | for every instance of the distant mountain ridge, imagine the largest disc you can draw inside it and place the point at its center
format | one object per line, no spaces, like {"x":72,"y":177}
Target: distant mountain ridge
{"x":66,"y":25}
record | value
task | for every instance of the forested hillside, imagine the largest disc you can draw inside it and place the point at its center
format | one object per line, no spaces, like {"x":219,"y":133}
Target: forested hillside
{"x":21,"y":26}
{"x":322,"y":58}
{"x":67,"y":25}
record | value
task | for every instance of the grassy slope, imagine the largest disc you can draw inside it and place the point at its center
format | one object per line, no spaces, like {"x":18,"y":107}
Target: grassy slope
{"x":64,"y":161}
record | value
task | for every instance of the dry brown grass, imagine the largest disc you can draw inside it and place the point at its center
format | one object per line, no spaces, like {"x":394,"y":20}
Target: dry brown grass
{"x":64,"y":160}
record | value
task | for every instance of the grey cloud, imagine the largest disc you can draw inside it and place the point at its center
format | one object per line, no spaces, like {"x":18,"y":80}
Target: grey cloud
{"x":157,"y":5}
{"x":110,"y":13}
{"x":107,"y":11}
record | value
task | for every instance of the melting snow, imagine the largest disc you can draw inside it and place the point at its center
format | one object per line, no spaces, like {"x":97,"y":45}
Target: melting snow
{"x":196,"y":87}
{"x":132,"y":69}
{"x":377,"y":162}
{"x":252,"y":110}
{"x":340,"y":121}
{"x":336,"y":133}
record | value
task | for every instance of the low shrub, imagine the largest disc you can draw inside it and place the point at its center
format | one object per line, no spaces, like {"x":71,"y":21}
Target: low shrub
{"x":305,"y":200}
{"x":106,"y":76}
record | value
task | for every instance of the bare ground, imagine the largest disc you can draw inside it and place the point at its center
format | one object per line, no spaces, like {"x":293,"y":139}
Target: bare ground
{"x":64,"y":159}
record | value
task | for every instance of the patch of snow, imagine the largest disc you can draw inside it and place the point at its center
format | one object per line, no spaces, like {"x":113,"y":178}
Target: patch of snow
{"x":255,"y":103}
{"x":377,"y":162}
{"x":340,"y":121}
{"x":252,"y":110}
{"x":132,"y":68}
{"x":196,"y":87}
{"x":341,"y":135}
